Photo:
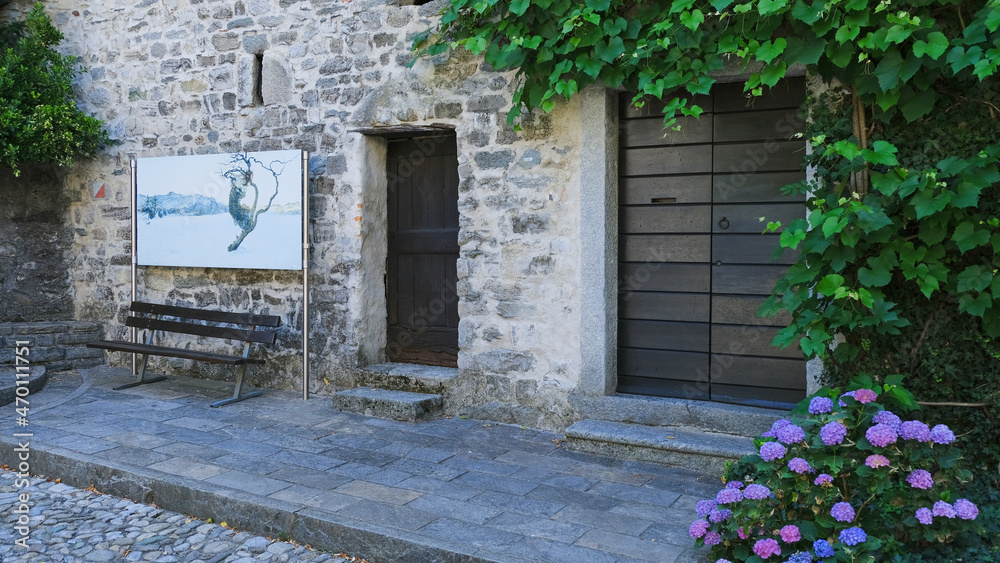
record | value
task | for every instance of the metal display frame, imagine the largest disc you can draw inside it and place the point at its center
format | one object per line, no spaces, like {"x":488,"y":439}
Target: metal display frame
{"x":305,"y":265}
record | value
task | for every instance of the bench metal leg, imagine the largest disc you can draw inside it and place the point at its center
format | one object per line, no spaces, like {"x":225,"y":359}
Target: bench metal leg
{"x":142,"y":376}
{"x":237,"y":396}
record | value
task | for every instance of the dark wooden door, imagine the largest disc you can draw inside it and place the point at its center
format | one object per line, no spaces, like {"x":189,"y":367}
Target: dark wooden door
{"x":693,"y":264}
{"x":423,"y":250}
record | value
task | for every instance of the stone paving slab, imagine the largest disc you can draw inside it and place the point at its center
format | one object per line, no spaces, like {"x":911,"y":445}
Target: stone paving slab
{"x":444,"y":490}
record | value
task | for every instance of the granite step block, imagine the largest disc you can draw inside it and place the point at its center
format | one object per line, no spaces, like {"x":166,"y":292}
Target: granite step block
{"x":404,"y":406}
{"x":673,"y":445}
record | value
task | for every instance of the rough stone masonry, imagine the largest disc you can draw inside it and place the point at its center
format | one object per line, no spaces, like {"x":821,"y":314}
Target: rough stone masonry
{"x":179,"y":77}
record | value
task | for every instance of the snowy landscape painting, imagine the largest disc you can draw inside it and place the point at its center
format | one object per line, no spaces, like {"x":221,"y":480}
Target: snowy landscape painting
{"x":237,"y":210}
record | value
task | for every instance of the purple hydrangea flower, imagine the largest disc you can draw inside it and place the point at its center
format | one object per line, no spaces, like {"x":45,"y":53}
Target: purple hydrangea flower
{"x":728,"y":496}
{"x":778,"y":425}
{"x":965,"y":509}
{"x":823,"y":480}
{"x":864,"y":396}
{"x":924,"y":516}
{"x":920,"y":479}
{"x":915,"y":430}
{"x":799,"y":465}
{"x":842,"y":512}
{"x":756,"y":492}
{"x":790,"y":434}
{"x":723,"y":561}
{"x":941,"y":434}
{"x":822,"y":548}
{"x":704,"y":507}
{"x":876,"y":461}
{"x":881,"y":435}
{"x":712,"y":538}
{"x":820,"y":405}
{"x":848,"y":394}
{"x":766,"y":548}
{"x":853,"y":536}
{"x":942,"y":508}
{"x":833,"y":433}
{"x":887,"y":417}
{"x":770,"y":451}
{"x":790,"y":533}
{"x":743,"y":535}
{"x":698,"y":528}
{"x":800,"y":557}
{"x":734,"y":485}
{"x":719,"y":515}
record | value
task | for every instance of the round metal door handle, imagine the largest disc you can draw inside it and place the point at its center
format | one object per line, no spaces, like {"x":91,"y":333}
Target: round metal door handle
{"x":724,"y":223}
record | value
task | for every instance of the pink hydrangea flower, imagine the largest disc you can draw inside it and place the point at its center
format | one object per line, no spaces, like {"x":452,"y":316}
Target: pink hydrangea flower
{"x":766,"y":548}
{"x":790,"y":533}
{"x":864,"y":396}
{"x":876,"y":461}
{"x":743,"y":535}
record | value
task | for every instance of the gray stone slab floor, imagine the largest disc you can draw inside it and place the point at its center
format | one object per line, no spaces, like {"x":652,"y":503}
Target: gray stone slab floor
{"x":446,"y":490}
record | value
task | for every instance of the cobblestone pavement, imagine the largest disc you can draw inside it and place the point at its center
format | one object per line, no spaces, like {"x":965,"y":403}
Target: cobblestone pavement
{"x":68,"y":524}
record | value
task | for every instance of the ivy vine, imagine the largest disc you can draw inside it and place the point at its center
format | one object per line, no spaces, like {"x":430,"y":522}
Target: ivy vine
{"x":884,"y":219}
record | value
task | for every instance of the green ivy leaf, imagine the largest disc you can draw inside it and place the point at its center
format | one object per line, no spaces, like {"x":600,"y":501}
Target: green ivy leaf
{"x":519,"y":7}
{"x":874,"y":278}
{"x":770,"y":49}
{"x":765,"y":7}
{"x":919,"y":105}
{"x":974,"y":278}
{"x":829,"y":284}
{"x":967,"y":237}
{"x":934,"y":47}
{"x":692,"y":18}
{"x":882,"y":152}
{"x":610,"y":51}
{"x":959,"y":58}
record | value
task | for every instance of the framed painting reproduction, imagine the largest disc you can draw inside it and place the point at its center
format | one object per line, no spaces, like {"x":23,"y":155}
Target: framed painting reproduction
{"x":236,"y":210}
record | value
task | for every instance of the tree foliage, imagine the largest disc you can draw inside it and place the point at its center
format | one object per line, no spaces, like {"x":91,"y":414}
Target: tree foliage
{"x":882,"y":221}
{"x":39,"y":121}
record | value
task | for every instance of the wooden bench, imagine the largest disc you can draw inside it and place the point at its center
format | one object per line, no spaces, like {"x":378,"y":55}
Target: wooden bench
{"x":186,"y":320}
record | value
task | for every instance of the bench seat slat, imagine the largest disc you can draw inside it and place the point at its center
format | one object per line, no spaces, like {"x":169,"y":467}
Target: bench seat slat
{"x":173,"y":352}
{"x":206,"y":315}
{"x":261,"y":336}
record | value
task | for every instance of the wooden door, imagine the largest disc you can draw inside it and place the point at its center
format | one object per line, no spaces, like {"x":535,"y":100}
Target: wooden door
{"x":423,"y":250}
{"x":693,"y":264}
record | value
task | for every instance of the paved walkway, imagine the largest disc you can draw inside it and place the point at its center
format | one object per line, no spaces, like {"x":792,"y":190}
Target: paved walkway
{"x":446,"y":490}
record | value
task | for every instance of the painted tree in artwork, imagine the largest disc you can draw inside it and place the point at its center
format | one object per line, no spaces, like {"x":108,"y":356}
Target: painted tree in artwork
{"x":241,"y":180}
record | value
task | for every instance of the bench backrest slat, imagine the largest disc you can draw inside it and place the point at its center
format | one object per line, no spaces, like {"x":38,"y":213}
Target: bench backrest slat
{"x":206,"y":315}
{"x":261,"y":336}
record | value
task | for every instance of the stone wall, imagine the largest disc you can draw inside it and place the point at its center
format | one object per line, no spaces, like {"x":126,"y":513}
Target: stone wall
{"x":176,"y":77}
{"x":34,"y":241}
{"x":56,"y":345}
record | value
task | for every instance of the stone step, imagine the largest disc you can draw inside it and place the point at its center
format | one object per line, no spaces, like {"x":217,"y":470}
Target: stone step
{"x":36,"y":379}
{"x":404,"y":406}
{"x":682,"y":446}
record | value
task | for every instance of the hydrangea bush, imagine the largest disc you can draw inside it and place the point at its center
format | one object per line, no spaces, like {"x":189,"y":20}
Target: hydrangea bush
{"x":844,"y":479}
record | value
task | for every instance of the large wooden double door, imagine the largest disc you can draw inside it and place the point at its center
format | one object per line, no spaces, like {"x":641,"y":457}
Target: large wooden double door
{"x":693,"y":264}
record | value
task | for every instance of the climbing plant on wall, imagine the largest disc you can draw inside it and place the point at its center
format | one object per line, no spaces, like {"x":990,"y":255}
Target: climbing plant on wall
{"x":39,"y":121}
{"x":925,"y":219}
